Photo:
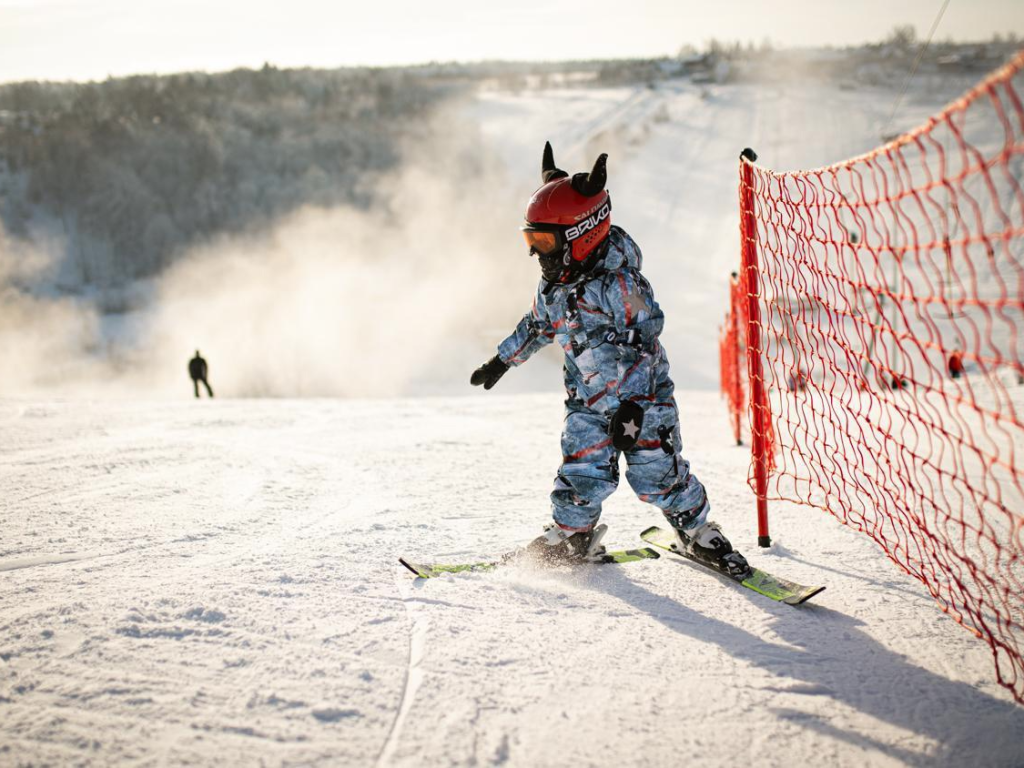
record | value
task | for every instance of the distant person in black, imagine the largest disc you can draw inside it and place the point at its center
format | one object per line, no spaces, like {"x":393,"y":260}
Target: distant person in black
{"x":197,"y":370}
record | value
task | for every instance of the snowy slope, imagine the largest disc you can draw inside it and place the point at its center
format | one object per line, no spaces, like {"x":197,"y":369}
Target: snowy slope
{"x":216,"y":582}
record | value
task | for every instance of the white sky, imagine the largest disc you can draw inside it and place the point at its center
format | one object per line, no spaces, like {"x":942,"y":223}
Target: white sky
{"x":91,"y":39}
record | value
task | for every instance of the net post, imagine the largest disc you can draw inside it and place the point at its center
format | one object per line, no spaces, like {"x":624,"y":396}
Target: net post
{"x":758,"y":407}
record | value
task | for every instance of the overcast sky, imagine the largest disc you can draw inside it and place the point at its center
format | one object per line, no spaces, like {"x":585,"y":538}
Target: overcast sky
{"x":91,"y":39}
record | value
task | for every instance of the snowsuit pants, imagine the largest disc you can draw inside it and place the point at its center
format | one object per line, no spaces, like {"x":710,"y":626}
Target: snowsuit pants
{"x":655,"y":470}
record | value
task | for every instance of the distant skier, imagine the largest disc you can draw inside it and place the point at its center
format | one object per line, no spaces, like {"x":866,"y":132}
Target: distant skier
{"x":197,"y":369}
{"x":601,"y":310}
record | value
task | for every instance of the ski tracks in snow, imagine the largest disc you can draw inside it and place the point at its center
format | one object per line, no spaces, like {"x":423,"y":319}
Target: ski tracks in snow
{"x":413,"y":673}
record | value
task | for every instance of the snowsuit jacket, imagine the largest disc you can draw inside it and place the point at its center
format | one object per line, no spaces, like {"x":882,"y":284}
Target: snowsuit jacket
{"x":607,"y":324}
{"x":197,"y":368}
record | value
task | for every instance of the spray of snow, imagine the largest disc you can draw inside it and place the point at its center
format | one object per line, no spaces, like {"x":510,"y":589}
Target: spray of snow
{"x":45,"y":341}
{"x":343,"y":302}
{"x":327,"y":302}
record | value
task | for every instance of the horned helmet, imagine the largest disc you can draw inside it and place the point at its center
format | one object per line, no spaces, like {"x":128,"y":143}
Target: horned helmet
{"x":568,"y":219}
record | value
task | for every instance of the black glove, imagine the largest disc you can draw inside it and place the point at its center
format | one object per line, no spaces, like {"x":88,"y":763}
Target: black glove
{"x":489,"y":373}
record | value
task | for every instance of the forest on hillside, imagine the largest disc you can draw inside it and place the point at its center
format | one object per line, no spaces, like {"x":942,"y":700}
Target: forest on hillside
{"x":130,"y":171}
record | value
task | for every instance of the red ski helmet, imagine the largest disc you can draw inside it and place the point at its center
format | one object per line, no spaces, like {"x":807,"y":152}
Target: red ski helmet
{"x":567,"y":218}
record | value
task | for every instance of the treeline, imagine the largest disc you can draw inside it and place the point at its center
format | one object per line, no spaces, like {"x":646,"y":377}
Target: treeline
{"x":132,"y":170}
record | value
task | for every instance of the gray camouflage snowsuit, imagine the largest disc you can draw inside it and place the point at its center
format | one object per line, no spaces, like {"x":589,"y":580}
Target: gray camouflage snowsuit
{"x":608,"y":325}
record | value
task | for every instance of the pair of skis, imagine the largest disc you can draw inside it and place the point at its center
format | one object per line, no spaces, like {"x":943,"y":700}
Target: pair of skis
{"x":780,"y":590}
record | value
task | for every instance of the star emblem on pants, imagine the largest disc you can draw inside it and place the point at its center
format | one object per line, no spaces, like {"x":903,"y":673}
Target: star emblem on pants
{"x":630,"y":429}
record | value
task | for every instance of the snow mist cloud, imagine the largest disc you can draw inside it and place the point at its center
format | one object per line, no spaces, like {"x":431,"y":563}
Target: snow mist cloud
{"x":45,"y":342}
{"x":404,"y":298}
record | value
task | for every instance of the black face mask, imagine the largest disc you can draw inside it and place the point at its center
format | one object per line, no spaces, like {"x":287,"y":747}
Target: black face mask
{"x":552,"y":266}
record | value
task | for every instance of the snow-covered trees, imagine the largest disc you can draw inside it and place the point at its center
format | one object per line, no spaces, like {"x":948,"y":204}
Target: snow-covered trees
{"x":137,"y":168}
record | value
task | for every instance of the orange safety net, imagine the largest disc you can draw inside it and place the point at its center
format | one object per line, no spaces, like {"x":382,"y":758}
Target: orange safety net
{"x":888,"y":306}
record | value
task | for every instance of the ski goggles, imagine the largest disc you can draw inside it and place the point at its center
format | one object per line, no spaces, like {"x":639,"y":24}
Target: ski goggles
{"x":543,"y":242}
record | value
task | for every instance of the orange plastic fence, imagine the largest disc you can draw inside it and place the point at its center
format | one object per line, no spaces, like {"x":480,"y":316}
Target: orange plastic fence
{"x":889,"y":291}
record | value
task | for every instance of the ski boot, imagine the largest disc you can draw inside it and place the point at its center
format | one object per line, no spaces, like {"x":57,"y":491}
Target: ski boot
{"x":559,"y":546}
{"x":708,"y":544}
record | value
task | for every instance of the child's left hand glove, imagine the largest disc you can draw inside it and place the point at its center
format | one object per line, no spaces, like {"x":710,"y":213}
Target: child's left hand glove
{"x":489,"y":373}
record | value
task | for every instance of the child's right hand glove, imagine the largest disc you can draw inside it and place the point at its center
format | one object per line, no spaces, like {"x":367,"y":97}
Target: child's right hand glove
{"x":489,"y":373}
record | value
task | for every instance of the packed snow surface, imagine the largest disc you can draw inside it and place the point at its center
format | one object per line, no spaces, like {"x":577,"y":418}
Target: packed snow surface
{"x":217,"y":582}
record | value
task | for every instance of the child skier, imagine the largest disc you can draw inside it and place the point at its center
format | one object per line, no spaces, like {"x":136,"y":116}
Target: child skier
{"x":593,"y":300}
